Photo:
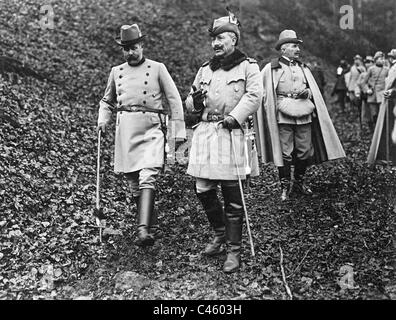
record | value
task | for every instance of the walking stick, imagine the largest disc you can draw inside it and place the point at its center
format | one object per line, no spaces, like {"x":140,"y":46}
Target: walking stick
{"x":387,"y":104}
{"x":98,"y":213}
{"x":242,"y":196}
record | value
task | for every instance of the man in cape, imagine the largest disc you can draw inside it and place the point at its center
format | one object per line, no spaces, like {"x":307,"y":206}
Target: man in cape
{"x":293,"y":125}
{"x":383,"y":144}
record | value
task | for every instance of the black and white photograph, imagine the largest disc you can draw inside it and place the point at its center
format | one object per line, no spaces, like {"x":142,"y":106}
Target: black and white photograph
{"x":197,"y":156}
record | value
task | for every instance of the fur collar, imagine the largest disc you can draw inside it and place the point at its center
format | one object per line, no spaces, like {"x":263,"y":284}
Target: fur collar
{"x":227,"y":63}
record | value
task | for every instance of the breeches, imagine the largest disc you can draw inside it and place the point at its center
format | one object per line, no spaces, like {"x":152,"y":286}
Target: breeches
{"x":295,"y":138}
{"x":142,"y":179}
{"x":204,"y":185}
{"x":374,"y":108}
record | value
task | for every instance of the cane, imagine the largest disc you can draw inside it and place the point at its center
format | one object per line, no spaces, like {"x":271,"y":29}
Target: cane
{"x":99,"y":211}
{"x":242,"y":196}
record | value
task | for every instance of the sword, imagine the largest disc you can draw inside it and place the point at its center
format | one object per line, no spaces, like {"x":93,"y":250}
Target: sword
{"x":242,"y":195}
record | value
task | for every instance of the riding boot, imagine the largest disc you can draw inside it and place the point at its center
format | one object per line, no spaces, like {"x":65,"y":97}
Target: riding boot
{"x":155,"y":229}
{"x":299,"y":171}
{"x":285,"y":177}
{"x":214,"y":212}
{"x":234,"y":218}
{"x":145,"y":211}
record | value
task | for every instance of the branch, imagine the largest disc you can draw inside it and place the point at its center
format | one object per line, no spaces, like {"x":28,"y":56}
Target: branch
{"x":289,"y":293}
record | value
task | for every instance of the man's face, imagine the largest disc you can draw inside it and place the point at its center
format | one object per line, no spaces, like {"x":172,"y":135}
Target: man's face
{"x":133,"y":53}
{"x":291,"y":50}
{"x":223,"y":44}
{"x":357,"y":62}
{"x":380,"y":61}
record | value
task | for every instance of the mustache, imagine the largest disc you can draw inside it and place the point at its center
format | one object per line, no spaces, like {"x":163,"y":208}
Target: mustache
{"x":217,"y":47}
{"x":132,"y":57}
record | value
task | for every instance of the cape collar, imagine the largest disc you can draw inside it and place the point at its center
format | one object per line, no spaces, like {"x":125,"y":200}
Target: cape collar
{"x":275,"y":63}
{"x":227,"y":63}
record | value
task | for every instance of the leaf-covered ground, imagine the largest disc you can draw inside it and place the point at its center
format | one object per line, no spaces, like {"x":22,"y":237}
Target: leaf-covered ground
{"x":48,"y":243}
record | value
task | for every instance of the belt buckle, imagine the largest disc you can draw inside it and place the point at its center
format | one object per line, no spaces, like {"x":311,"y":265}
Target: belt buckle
{"x":215,"y":117}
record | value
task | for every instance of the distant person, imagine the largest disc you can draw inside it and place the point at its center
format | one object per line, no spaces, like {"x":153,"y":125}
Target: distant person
{"x":340,"y":88}
{"x":294,"y":125}
{"x":383,"y":144}
{"x":319,"y":76}
{"x":355,"y":71}
{"x":361,"y":89}
{"x":375,"y":80}
{"x":226,"y":91}
{"x":134,"y":91}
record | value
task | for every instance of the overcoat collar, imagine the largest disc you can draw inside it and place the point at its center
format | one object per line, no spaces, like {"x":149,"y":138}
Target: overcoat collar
{"x":227,"y":63}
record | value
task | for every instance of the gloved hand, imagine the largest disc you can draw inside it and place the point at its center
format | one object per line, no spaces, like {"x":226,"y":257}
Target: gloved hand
{"x":179,"y":142}
{"x":230,"y":123}
{"x":305,"y":94}
{"x":101,"y":127}
{"x":198,"y":97}
{"x":391,"y":93}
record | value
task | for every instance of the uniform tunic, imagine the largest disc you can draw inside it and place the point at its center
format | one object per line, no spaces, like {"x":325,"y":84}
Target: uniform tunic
{"x":236,"y":92}
{"x":375,"y":79}
{"x":139,"y":141}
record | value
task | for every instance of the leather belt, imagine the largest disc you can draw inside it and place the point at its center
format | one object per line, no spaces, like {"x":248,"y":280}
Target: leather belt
{"x":140,"y":108}
{"x":287,"y":95}
{"x":214,"y":117}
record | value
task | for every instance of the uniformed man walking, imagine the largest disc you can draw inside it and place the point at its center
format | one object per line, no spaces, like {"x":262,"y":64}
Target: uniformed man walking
{"x":383,"y":144}
{"x":375,"y":80}
{"x":294,"y":126}
{"x":134,"y":91}
{"x":227,"y":88}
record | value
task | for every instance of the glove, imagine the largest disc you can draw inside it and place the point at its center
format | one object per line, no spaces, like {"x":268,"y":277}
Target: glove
{"x":305,"y":94}
{"x":230,"y":123}
{"x":391,"y":93}
{"x":198,"y":97}
{"x":101,"y":127}
{"x":179,"y":142}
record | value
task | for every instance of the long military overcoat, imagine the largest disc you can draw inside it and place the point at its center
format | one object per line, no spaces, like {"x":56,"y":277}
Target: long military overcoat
{"x":326,"y":143}
{"x":236,"y":92}
{"x":139,"y":140}
{"x":381,"y":147}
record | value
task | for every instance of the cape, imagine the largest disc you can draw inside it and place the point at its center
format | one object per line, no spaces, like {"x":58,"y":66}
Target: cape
{"x":382,"y":148}
{"x":326,"y":144}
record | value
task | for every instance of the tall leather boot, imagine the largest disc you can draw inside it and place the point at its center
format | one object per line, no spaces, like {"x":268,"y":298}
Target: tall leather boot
{"x":145,"y":211}
{"x":214,"y":212}
{"x":234,"y":218}
{"x":299,"y":172}
{"x":285,"y":177}
{"x":155,"y":229}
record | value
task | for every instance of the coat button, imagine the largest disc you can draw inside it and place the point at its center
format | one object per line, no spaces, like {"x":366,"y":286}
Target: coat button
{"x":144,"y":92}
{"x":119,"y":93}
{"x":147,"y":74}
{"x":145,"y":82}
{"x":121,"y":68}
{"x":144,"y":102}
{"x":148,"y":66}
{"x":119,"y":84}
{"x":120,"y":76}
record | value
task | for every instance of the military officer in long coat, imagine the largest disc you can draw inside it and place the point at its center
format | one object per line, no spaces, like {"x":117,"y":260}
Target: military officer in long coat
{"x":226,"y":91}
{"x":383,"y":144}
{"x":134,"y":92}
{"x":375,"y":80}
{"x":293,"y":123}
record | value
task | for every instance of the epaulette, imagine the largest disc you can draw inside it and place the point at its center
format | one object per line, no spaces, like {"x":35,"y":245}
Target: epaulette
{"x":205,"y":64}
{"x":251,"y":60}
